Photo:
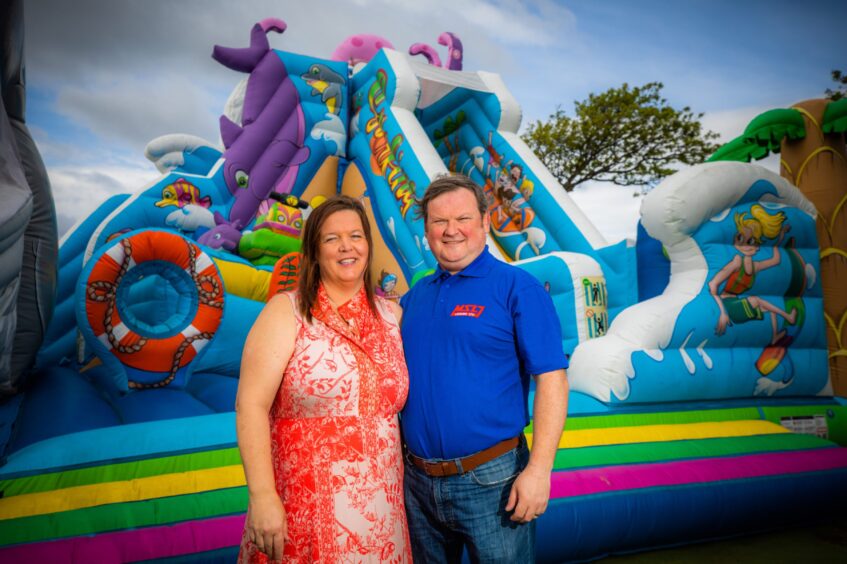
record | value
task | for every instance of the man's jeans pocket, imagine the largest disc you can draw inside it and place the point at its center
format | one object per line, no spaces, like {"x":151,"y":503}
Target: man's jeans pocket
{"x":502,"y":469}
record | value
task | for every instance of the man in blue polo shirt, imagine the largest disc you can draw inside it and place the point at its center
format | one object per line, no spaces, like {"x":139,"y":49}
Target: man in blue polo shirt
{"x":474,"y":332}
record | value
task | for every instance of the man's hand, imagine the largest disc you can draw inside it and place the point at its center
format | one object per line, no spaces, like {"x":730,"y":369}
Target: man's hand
{"x":530,"y":494}
{"x":266,"y":525}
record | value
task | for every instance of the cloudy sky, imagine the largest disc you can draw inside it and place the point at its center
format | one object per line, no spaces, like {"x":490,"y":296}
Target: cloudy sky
{"x":105,"y":77}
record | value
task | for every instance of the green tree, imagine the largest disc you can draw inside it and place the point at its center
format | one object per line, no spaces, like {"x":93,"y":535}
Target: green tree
{"x":627,"y":135}
{"x":840,"y":90}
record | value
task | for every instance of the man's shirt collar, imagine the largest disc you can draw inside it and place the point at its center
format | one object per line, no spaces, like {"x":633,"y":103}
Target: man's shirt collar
{"x":478,"y":268}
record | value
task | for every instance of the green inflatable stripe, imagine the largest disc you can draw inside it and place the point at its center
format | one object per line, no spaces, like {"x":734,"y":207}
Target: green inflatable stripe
{"x":590,"y":457}
{"x":121,"y":516}
{"x":661,"y":418}
{"x":120,"y":472}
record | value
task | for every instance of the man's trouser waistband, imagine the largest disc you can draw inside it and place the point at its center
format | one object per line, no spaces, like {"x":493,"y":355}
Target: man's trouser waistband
{"x":443,"y":468}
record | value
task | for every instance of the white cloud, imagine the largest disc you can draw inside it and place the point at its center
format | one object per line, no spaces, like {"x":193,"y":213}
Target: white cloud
{"x":136,"y":110}
{"x":78,"y":191}
{"x":612,"y":209}
{"x":729,"y":124}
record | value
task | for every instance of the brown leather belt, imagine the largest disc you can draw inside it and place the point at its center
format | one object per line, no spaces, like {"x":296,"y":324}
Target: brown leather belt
{"x":443,"y":468}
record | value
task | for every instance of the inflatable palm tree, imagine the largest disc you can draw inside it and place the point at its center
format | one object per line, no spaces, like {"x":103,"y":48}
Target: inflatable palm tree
{"x":811,"y":139}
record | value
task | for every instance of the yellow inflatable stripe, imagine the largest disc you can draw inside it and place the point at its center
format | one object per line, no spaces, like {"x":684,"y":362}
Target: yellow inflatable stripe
{"x":92,"y":495}
{"x":665,"y":433}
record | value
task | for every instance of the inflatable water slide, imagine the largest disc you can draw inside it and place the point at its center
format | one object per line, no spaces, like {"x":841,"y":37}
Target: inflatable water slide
{"x":702,"y":411}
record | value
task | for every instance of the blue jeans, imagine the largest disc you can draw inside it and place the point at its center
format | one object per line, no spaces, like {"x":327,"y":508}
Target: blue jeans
{"x":468,"y":510}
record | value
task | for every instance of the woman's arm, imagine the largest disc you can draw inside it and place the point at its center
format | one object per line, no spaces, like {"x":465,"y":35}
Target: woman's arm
{"x":268,"y":348}
{"x":396,"y":310}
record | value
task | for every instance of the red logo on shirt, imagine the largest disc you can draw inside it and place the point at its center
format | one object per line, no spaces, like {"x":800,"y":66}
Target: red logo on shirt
{"x":468,"y":310}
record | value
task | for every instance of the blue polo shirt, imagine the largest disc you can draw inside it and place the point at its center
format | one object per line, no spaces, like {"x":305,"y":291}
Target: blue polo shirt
{"x":472,"y":340}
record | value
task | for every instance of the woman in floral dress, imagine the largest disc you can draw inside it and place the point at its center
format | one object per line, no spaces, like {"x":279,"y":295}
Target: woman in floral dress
{"x":322,"y":381}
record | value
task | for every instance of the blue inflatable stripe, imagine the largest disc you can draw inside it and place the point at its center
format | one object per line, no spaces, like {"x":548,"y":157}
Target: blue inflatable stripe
{"x":123,"y":443}
{"x":610,"y":523}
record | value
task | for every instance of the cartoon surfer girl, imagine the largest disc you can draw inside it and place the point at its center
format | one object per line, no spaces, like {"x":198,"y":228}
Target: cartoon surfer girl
{"x":740,"y":273}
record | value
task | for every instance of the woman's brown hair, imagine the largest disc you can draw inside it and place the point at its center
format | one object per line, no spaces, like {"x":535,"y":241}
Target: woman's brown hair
{"x":310,"y":270}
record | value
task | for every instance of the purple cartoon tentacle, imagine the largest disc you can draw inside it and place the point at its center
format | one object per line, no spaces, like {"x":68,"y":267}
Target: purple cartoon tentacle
{"x":454,"y":50}
{"x":273,"y":24}
{"x":427,"y":51}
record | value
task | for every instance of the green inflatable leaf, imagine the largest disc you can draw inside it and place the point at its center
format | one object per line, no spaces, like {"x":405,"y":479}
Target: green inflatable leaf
{"x":739,"y":149}
{"x":770,"y":128}
{"x":835,"y":117}
{"x":763,"y":136}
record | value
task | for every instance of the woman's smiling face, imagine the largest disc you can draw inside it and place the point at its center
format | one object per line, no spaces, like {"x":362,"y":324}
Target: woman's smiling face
{"x":343,"y":253}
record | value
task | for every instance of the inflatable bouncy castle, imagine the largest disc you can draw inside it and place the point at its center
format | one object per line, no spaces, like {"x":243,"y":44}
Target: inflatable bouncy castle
{"x":701,"y":402}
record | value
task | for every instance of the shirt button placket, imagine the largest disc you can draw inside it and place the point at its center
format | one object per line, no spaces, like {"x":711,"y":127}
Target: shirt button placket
{"x":443,"y":291}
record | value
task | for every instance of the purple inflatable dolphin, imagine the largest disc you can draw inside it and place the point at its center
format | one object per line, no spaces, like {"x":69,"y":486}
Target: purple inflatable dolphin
{"x":262,"y":154}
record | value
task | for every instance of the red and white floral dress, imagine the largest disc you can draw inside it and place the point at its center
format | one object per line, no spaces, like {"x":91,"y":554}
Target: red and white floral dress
{"x":335,"y":437}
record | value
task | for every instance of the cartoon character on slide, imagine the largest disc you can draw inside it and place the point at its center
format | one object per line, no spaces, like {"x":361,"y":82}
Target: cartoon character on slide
{"x":506,"y":187}
{"x":386,"y":286}
{"x":739,"y":274}
{"x":507,"y":205}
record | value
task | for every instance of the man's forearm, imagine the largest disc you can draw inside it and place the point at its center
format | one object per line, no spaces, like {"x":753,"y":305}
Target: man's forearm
{"x":549,"y":412}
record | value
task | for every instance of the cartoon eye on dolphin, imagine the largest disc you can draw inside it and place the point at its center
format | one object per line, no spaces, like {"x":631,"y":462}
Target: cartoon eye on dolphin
{"x":241,"y":178}
{"x":327,"y":83}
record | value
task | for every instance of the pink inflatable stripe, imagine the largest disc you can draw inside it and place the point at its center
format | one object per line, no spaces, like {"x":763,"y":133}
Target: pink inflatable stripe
{"x":639,"y":476}
{"x":132,"y":545}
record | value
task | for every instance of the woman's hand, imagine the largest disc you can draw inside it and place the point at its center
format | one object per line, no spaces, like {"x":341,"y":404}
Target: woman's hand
{"x":266,"y":525}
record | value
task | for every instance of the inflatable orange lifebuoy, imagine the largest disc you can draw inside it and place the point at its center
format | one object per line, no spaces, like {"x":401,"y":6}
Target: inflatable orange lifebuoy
{"x":183,"y":277}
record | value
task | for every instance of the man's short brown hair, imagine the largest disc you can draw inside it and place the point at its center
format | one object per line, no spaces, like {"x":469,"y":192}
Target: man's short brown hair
{"x":450,"y":183}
